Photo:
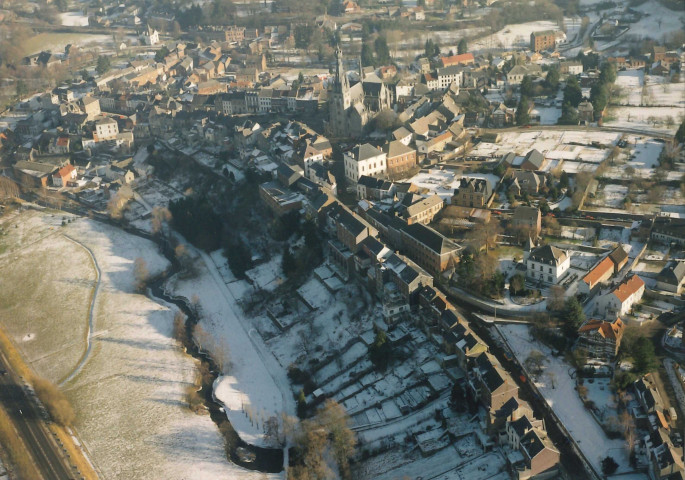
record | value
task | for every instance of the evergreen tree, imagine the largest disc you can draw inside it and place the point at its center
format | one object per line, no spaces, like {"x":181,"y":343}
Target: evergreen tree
{"x":680,"y":134}
{"x":462,"y":47}
{"x":572,"y":93}
{"x":522,"y":115}
{"x":382,"y":50}
{"x":643,"y":356}
{"x":552,"y":79}
{"x":103,"y":64}
{"x":599,"y":96}
{"x":573,"y":316}
{"x":526,"y":86}
{"x":367,"y":55}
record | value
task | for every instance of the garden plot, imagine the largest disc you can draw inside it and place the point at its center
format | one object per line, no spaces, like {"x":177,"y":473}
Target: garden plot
{"x":611,"y":195}
{"x":268,"y":275}
{"x":238,"y":288}
{"x":665,"y":94}
{"x":315,"y":294}
{"x":602,"y":398}
{"x":349,"y":357}
{"x":564,"y":400}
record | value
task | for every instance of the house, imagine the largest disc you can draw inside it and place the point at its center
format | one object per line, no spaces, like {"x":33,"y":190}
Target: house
{"x":150,"y":36}
{"x":63,"y":175}
{"x":463,"y":59}
{"x":601,"y":339}
{"x":33,"y":174}
{"x":490,"y":383}
{"x":540,"y":458}
{"x":516,"y":74}
{"x":571,"y":67}
{"x":597,"y":275}
{"x":278,"y":199}
{"x":648,"y":394}
{"x":621,"y":298}
{"x":424,"y":210}
{"x":528,"y":218}
{"x":447,"y":76}
{"x":374,"y":188}
{"x":59,"y":145}
{"x":400,"y":157}
{"x":527,"y":181}
{"x":543,"y":40}
{"x":672,"y":277}
{"x":547,"y":264}
{"x":430,"y":249}
{"x":619,"y":258}
{"x":534,"y":160}
{"x":364,"y":160}
{"x":669,"y":230}
{"x":105,"y":129}
{"x":472,"y":192}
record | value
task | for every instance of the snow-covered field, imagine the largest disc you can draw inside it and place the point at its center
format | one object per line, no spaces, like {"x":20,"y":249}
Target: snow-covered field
{"x":647,"y":119}
{"x":74,"y":19}
{"x":565,"y":401}
{"x":511,"y":36}
{"x":658,"y":23}
{"x":130,"y":394}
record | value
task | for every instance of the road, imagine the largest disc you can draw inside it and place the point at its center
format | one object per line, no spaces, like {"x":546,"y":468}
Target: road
{"x":28,"y":422}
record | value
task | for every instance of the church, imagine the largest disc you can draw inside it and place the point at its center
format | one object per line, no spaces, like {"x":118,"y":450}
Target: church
{"x":352,"y":107}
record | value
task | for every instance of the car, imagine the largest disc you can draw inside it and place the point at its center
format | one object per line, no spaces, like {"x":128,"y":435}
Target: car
{"x":3,"y":372}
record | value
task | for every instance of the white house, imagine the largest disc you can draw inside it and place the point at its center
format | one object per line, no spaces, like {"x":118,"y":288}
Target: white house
{"x":364,"y":160}
{"x":621,"y":298}
{"x":547,"y":264}
{"x":449,"y":75}
{"x":151,"y":36}
{"x":106,"y":129}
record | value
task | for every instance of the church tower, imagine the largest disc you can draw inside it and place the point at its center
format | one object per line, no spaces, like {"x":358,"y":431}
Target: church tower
{"x":340,"y":99}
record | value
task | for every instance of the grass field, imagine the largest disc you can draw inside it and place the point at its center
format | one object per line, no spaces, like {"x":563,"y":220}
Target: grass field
{"x":129,"y":396}
{"x":56,"y":278}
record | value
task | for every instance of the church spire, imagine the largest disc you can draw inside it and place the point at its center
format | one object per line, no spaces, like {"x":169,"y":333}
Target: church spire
{"x":341,"y":82}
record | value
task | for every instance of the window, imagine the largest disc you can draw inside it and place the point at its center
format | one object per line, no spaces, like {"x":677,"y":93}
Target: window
{"x":550,"y":270}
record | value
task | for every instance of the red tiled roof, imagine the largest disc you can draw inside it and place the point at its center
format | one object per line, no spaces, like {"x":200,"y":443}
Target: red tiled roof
{"x":65,"y":171}
{"x":601,"y":269}
{"x":629,"y":287}
{"x":457,"y":59}
{"x":62,"y":141}
{"x":606,"y":329}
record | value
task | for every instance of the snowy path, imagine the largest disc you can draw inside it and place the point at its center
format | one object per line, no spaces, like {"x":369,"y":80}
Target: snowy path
{"x":91,"y":326}
{"x":276,"y":372}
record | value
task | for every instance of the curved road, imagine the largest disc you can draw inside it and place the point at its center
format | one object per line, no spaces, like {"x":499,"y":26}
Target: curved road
{"x":29,"y":424}
{"x":91,"y":326}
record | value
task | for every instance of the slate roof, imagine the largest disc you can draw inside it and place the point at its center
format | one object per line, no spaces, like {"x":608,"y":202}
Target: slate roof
{"x":672,"y":274}
{"x":365,"y":151}
{"x":548,"y":254}
{"x":430,"y":238}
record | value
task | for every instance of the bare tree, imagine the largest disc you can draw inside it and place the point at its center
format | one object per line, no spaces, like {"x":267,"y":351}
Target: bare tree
{"x":272,"y":432}
{"x":159,"y":219}
{"x":141,"y":274}
{"x":180,"y":327}
{"x":535,"y":361}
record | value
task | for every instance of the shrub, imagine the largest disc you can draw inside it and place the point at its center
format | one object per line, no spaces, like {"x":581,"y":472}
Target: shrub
{"x":55,"y":401}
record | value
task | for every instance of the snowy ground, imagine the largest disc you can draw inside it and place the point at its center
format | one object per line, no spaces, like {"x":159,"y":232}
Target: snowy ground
{"x":511,"y":36}
{"x":74,"y":19}
{"x":255,"y":386}
{"x":565,"y":401}
{"x":444,"y":182}
{"x":134,"y":366}
{"x":648,"y":119}
{"x":658,"y":23}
